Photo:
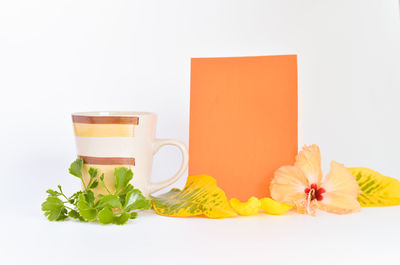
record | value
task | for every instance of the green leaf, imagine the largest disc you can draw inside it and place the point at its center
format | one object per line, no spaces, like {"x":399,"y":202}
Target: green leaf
{"x":122,"y":219}
{"x":109,"y":200}
{"x":53,"y":208}
{"x":126,"y":189}
{"x":93,"y":172}
{"x":94,"y":184}
{"x":74,"y":214}
{"x":89,"y":197}
{"x":63,"y":215}
{"x":76,"y":168}
{"x":135,"y":200}
{"x":106,"y":216}
{"x":133,"y":215}
{"x":122,"y":194}
{"x":74,"y":197}
{"x":85,"y":210}
{"x":122,"y":178}
{"x":53,"y":192}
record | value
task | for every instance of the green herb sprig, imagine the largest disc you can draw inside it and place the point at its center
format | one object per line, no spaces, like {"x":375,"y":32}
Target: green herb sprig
{"x":111,"y":208}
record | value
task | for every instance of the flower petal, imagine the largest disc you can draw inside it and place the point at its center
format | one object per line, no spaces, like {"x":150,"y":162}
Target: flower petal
{"x":339,"y":203}
{"x":273,"y":207}
{"x":341,"y":191}
{"x":251,"y":207}
{"x":309,"y":161}
{"x":288,"y":185}
{"x":339,"y":179}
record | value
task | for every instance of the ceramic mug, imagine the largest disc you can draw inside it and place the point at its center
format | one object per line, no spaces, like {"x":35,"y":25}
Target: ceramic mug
{"x":111,"y":139}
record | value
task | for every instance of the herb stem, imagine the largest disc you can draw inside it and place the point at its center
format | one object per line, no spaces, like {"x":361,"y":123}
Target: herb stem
{"x":68,"y":207}
{"x":65,"y":196}
{"x":83,"y":182}
{"x":105,"y":186}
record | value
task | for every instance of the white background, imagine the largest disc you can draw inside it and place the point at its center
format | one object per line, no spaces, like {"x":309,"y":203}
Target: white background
{"x":57,"y":57}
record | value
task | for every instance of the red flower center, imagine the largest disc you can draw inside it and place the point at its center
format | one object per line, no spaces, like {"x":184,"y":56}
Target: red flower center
{"x":315,"y":192}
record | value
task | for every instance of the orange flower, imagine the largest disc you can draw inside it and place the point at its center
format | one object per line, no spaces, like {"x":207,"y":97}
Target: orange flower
{"x":301,"y":185}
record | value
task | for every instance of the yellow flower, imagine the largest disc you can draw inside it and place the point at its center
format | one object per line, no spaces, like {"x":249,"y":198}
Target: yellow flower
{"x":302,"y":186}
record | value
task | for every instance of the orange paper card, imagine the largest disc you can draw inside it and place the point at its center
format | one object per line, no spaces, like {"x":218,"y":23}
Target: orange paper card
{"x":243,"y":120}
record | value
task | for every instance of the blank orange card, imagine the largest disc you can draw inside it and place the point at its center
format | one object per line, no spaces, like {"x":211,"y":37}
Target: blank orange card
{"x":243,"y":120}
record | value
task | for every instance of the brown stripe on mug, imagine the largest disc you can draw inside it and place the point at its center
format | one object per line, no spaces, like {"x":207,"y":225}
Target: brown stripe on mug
{"x":105,"y":119}
{"x":108,"y":160}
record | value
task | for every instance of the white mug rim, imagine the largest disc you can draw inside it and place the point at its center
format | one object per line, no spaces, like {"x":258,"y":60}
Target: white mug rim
{"x":113,"y":113}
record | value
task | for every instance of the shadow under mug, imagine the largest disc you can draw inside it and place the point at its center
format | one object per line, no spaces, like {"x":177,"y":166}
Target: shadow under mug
{"x":109,"y":139}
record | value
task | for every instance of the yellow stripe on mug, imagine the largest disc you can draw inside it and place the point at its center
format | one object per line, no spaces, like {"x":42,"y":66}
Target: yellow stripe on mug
{"x":104,"y":130}
{"x":104,"y":126}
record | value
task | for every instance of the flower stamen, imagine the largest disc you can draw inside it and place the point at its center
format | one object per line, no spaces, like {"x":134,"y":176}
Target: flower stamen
{"x":313,"y":193}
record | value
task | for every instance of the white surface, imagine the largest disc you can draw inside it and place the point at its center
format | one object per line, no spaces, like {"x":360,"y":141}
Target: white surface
{"x":57,"y":57}
{"x":370,"y":237}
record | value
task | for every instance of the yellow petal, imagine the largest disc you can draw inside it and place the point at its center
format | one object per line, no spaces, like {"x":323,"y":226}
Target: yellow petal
{"x":251,"y":207}
{"x":288,"y":185}
{"x":273,"y":207}
{"x":200,"y":196}
{"x":309,"y":161}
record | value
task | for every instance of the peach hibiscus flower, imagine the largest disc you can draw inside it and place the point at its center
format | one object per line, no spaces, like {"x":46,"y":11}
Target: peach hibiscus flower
{"x":302,"y":186}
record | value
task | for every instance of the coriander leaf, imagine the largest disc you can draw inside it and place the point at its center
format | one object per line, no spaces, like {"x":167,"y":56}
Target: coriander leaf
{"x":105,"y":216}
{"x":109,"y":200}
{"x":53,"y":208}
{"x":53,"y":192}
{"x":76,"y":168}
{"x":93,"y":172}
{"x":122,"y":219}
{"x":135,"y":200}
{"x":73,"y":214}
{"x":133,"y":215}
{"x":89,"y":197}
{"x":63,"y":215}
{"x":74,"y":197}
{"x":126,"y":189}
{"x":94,"y":184}
{"x":122,"y":194}
{"x":122,"y":178}
{"x":85,"y":210}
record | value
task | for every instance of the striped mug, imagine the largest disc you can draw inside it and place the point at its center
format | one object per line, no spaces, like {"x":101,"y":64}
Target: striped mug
{"x":111,"y":139}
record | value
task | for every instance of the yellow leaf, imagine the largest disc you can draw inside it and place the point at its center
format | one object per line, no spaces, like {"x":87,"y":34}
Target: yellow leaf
{"x":273,"y":207}
{"x":251,"y":207}
{"x":376,"y":189}
{"x":201,"y":196}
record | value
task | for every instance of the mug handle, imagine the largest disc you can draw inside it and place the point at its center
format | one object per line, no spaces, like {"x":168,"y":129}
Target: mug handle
{"x":153,"y":187}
